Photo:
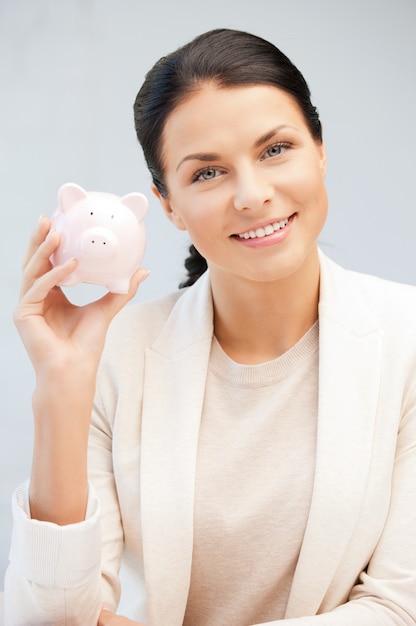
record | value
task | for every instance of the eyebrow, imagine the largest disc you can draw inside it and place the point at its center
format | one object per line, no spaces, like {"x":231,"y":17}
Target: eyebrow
{"x":214,"y":156}
{"x":269,"y":135}
{"x":199,"y":156}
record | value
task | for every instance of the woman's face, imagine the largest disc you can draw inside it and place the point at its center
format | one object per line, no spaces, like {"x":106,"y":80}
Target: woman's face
{"x":245,"y":178}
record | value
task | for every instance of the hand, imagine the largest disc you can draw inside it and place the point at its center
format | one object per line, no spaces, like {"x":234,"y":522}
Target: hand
{"x":54,"y":331}
{"x":107,"y":618}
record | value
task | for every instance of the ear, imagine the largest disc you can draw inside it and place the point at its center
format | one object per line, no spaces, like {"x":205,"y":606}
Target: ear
{"x":137,"y":202}
{"x":323,"y":159}
{"x":69,"y":194}
{"x":169,"y":211}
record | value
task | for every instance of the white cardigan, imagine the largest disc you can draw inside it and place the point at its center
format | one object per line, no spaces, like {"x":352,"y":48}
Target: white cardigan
{"x":357,"y":565}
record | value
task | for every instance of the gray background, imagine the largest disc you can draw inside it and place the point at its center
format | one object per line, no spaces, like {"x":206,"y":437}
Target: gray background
{"x":69,"y":72}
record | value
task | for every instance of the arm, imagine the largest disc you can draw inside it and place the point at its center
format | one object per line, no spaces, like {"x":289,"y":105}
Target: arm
{"x":64,"y":343}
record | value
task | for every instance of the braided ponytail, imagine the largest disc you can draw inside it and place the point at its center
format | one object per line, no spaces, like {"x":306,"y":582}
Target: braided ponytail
{"x":196,"y":265}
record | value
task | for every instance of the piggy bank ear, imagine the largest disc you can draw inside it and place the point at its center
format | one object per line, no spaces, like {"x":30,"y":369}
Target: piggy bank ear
{"x":69,"y":194}
{"x":137,"y":202}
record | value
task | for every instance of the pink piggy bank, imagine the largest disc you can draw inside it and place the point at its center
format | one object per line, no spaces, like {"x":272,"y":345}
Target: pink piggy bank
{"x":104,"y":232}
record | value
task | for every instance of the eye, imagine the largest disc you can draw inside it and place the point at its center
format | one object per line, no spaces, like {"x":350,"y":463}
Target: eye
{"x":206,"y":173}
{"x":275,"y":150}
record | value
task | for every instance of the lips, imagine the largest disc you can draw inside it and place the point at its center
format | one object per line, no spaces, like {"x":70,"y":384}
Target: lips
{"x":264,"y":231}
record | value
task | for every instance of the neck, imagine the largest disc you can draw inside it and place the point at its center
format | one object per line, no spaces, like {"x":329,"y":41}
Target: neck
{"x":258,"y":321}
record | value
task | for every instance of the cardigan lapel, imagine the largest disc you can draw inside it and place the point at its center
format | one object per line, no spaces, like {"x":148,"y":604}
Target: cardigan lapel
{"x":349,"y":379}
{"x":170,"y":429}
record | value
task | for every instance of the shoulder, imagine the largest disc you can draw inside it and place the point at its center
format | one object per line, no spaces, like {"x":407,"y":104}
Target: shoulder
{"x":166,"y":325}
{"x":131,"y":332}
{"x":349,"y":291}
{"x":385,"y":298}
{"x":371,"y":288}
{"x":138,"y":324}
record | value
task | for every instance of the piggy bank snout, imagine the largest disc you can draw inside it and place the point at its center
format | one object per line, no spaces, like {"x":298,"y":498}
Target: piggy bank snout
{"x":98,"y":243}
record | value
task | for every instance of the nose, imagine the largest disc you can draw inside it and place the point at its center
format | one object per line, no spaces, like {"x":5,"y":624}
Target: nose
{"x":98,"y":243}
{"x":252,"y":190}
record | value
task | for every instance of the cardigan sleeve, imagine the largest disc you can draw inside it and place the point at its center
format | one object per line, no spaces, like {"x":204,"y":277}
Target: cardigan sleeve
{"x":53,"y":569}
{"x":66,"y":574}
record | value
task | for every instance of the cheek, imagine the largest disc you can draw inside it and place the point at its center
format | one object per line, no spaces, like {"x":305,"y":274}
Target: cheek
{"x":310,"y":186}
{"x":200,"y":212}
{"x":310,"y":196}
{"x":205,"y":226}
{"x":319,"y":199}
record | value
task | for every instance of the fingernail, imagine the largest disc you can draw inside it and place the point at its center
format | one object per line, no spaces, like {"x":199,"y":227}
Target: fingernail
{"x":50,"y":233}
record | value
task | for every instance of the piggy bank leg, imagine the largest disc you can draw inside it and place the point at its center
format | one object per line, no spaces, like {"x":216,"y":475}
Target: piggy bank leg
{"x":121,"y":285}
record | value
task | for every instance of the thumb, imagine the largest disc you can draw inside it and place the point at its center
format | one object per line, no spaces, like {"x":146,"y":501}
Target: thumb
{"x":112,"y":303}
{"x":138,"y":277}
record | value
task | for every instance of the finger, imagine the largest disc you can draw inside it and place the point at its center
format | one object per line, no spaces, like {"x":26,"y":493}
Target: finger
{"x":136,"y":280}
{"x":39,"y":263}
{"x":43,"y":285}
{"x":37,"y":237}
{"x":112,"y":303}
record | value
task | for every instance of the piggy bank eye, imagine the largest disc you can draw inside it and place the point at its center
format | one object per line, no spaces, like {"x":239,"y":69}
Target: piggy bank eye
{"x":112,"y":217}
{"x":92,"y":213}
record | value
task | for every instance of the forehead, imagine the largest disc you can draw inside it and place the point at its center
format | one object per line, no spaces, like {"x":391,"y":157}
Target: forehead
{"x":217,"y":115}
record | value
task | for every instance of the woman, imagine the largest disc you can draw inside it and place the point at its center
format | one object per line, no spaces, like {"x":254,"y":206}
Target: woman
{"x":252,"y":440}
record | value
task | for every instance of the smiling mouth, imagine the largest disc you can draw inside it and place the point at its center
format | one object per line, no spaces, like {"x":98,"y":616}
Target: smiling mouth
{"x":265,"y":230}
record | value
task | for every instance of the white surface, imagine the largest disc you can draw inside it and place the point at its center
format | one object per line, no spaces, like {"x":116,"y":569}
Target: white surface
{"x":70,"y":72}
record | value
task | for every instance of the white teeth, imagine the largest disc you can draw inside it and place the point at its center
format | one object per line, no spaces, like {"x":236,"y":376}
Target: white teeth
{"x":267,"y":230}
